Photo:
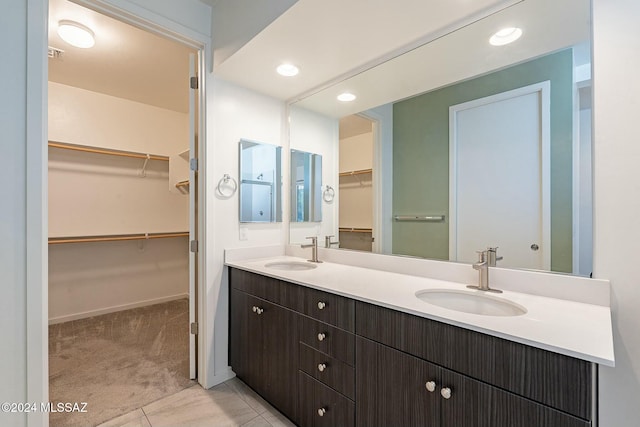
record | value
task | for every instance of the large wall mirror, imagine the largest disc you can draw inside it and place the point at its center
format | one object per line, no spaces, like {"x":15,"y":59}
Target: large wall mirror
{"x":260,"y":182}
{"x":460,"y":145}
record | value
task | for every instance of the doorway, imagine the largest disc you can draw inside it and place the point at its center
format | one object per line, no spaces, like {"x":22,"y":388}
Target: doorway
{"x":123,"y":193}
{"x":356,"y":209}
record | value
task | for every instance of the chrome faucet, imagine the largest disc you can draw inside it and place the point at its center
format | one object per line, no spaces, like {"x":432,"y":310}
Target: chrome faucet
{"x":492,"y":256}
{"x":328,"y":243}
{"x":314,"y":249}
{"x":482,"y":265}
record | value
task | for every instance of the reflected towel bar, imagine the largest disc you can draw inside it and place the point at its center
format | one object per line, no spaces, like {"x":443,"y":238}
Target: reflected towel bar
{"x":423,"y":218}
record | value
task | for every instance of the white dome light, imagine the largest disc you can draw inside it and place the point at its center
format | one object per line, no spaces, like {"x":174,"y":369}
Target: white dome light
{"x":346,"y":97}
{"x":288,"y":70}
{"x":76,"y":34}
{"x":505,"y":36}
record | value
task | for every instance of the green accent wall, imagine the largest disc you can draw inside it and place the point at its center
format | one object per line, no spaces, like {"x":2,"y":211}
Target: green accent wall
{"x":421,"y":156}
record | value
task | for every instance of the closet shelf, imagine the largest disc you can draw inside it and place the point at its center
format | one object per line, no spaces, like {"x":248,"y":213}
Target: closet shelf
{"x":357,"y":172}
{"x":355,"y":230}
{"x":184,"y":183}
{"x":116,"y":237}
{"x":108,"y":151}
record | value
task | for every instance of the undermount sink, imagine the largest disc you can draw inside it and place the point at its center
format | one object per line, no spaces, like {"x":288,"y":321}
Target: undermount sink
{"x":291,"y":265}
{"x":471,"y":302}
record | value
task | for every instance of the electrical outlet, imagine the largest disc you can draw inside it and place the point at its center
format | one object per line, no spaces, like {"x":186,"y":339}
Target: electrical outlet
{"x":244,"y":233}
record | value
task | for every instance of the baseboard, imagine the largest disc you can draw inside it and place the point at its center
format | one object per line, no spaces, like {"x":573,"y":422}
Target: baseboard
{"x":113,"y":309}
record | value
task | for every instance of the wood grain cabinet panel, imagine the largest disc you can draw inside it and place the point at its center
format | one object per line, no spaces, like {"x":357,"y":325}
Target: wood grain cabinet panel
{"x":328,"y":339}
{"x":264,"y":349}
{"x":553,"y":379}
{"x":329,"y":370}
{"x":329,"y":308}
{"x":320,"y":406}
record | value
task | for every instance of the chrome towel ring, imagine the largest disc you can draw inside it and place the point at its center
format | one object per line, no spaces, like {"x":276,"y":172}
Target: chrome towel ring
{"x":227,"y":186}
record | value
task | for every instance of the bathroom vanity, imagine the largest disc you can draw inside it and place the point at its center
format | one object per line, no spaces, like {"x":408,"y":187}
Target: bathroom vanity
{"x":336,"y":355}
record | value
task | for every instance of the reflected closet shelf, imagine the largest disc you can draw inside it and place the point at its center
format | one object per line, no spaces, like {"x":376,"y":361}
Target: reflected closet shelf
{"x":107,"y":151}
{"x":357,"y":172}
{"x":116,"y":237}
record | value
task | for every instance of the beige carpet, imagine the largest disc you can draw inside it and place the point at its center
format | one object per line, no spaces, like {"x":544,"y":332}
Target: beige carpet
{"x":118,"y":362}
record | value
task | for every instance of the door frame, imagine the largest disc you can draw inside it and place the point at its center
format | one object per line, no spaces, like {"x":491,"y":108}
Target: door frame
{"x":543,"y":89}
{"x":37,"y":180}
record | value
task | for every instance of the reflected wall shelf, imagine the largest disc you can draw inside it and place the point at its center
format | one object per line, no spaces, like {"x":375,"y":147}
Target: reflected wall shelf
{"x":116,"y":238}
{"x":355,"y":230}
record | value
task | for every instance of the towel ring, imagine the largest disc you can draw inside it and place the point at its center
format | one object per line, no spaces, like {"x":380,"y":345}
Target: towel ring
{"x":224,"y":181}
{"x":328,"y":194}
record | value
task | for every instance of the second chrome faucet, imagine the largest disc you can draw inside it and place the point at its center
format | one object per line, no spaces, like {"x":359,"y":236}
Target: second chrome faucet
{"x":314,"y":249}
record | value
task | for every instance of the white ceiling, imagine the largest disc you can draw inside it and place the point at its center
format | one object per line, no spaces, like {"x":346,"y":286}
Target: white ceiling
{"x":125,"y":62}
{"x":330,"y":38}
{"x":548,"y":26}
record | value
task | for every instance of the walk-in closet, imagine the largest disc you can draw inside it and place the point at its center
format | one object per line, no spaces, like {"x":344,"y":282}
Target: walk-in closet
{"x":120,"y":215}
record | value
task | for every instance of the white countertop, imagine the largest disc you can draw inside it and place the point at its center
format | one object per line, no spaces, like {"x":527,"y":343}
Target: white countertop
{"x":567,"y":327}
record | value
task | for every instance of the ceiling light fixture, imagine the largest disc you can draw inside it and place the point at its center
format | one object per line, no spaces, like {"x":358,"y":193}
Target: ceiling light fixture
{"x":346,"y":97}
{"x":505,"y":36}
{"x":76,"y":34}
{"x":287,"y":70}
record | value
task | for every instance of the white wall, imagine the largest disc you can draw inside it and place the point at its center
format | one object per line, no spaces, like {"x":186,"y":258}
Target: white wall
{"x":315,"y":133}
{"x":23,"y":229}
{"x":13,"y":213}
{"x":617,"y":198}
{"x":233,"y":113}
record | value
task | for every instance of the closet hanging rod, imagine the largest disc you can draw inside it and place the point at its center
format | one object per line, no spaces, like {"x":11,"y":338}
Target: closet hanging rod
{"x":115,"y":238}
{"x":107,"y":151}
{"x":355,"y":230}
{"x":358,"y":172}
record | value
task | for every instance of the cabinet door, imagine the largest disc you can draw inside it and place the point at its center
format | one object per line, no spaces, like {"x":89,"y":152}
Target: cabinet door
{"x":281,"y":341}
{"x":391,"y":388}
{"x":472,"y":403}
{"x":246,"y":346}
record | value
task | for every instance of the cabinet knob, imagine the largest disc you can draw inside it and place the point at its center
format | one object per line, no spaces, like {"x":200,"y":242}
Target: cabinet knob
{"x":321,"y":336}
{"x":254,"y":308}
{"x":446,"y":392}
{"x":322,"y":367}
{"x":257,"y":310}
{"x":321,"y":305}
{"x":431,"y":386}
{"x":321,"y":412}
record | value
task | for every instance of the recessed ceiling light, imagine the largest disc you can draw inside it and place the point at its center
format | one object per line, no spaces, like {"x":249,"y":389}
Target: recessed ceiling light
{"x":346,"y":97}
{"x":76,"y":34}
{"x":287,"y":70}
{"x":505,"y":36}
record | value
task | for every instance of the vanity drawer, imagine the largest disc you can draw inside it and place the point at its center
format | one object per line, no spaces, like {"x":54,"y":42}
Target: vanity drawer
{"x":328,"y":339}
{"x":321,"y":406}
{"x":270,"y":289}
{"x":329,"y":308}
{"x":331,"y":371}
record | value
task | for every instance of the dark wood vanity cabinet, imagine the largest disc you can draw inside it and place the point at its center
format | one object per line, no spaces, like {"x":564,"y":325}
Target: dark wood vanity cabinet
{"x":397,"y":389}
{"x":326,"y":360}
{"x":264,"y":348}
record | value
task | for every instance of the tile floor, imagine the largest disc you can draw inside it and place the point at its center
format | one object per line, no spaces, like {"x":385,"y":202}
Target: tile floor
{"x":231,"y":403}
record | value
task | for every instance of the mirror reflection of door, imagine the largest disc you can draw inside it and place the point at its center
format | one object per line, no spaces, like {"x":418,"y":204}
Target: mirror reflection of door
{"x":356,"y":183}
{"x":500,"y":161}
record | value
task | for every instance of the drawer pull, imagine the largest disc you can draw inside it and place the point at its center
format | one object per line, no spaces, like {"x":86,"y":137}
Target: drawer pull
{"x":322,"y":367}
{"x":321,"y":336}
{"x":321,"y":305}
{"x":431,"y":386}
{"x":446,"y":392}
{"x":257,"y":310}
{"x":321,"y":412}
